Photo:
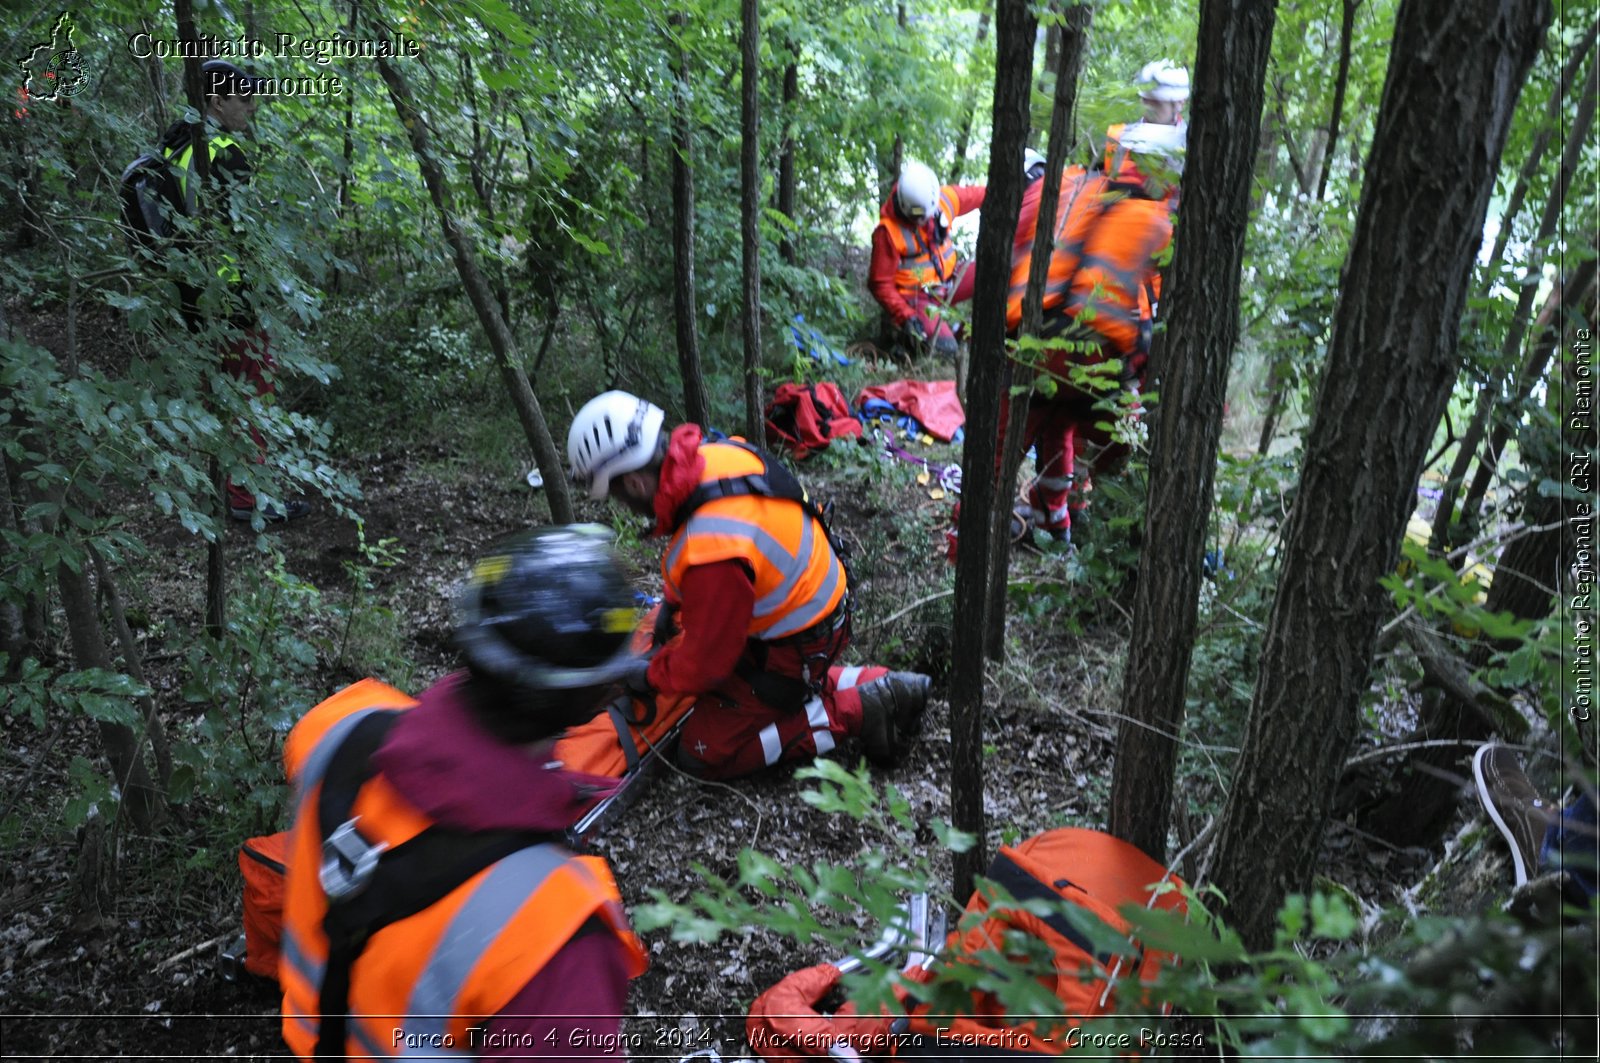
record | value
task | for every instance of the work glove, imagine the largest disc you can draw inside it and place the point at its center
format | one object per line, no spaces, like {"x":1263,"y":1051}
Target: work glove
{"x":915,"y":332}
{"x":635,"y":680}
{"x":945,"y":345}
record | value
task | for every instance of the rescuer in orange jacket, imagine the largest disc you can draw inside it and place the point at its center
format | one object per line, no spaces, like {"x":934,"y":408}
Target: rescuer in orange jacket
{"x":757,"y":608}
{"x":430,"y":904}
{"x":1163,"y":90}
{"x":1111,"y":234}
{"x":915,"y":270}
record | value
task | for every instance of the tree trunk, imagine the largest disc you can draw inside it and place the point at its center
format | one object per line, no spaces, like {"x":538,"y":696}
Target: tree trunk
{"x":970,"y":108}
{"x":155,"y":731}
{"x":216,"y":547}
{"x":982,"y":507}
{"x":141,"y":799}
{"x":1534,"y":369}
{"x":786,"y":205}
{"x":23,"y":630}
{"x":1541,"y":141}
{"x":1391,"y":364}
{"x":1073,"y":34}
{"x":349,"y":135}
{"x":696,"y":406}
{"x":1440,"y":536}
{"x":1347,"y":29}
{"x":483,"y":301}
{"x":750,"y":208}
{"x":1526,"y":578}
{"x":1202,"y":314}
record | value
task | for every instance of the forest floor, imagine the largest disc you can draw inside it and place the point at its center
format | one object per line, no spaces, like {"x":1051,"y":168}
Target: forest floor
{"x":140,"y":978}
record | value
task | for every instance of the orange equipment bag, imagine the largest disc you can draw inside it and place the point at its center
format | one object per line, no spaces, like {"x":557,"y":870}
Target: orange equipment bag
{"x":1086,"y":868}
{"x":261,"y":861}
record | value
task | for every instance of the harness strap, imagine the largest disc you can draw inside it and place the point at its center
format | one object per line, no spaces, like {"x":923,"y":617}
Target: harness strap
{"x":1024,"y":887}
{"x":409,"y":878}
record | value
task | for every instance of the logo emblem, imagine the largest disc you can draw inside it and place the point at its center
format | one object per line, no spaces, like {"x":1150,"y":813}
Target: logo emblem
{"x":53,"y":70}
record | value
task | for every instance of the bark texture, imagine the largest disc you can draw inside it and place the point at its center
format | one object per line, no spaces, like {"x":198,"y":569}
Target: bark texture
{"x":1189,"y":371}
{"x":979,"y":526}
{"x":1392,"y":362}
{"x":1071,"y":41}
{"x":750,"y":209}
{"x":685,"y":310}
{"x":504,"y":345}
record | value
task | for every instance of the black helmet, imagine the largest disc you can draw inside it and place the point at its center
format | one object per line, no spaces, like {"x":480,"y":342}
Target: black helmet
{"x":547,"y":609}
{"x":222,"y":78}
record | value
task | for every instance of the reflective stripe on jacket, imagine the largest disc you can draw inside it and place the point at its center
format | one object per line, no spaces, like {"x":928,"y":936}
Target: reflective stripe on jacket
{"x":182,"y":162}
{"x":923,"y":262}
{"x":798,"y":578}
{"x":423,"y":981}
{"x":1107,"y":240}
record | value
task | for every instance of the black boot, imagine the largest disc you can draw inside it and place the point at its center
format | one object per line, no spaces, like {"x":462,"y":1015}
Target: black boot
{"x":891,"y":714}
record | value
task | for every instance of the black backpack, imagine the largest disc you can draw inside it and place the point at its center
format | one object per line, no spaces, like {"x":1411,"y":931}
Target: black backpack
{"x":151,"y":195}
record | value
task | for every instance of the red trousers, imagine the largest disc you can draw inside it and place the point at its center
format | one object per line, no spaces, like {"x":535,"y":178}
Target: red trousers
{"x":1071,"y":445}
{"x":249,"y":358}
{"x":734,"y":731}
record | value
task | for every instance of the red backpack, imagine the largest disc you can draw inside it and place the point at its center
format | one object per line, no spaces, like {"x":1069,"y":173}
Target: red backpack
{"x":805,"y":418}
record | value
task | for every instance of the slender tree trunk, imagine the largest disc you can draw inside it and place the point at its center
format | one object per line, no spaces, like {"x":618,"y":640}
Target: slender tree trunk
{"x":969,"y":107}
{"x":1579,"y":140}
{"x":685,"y":312}
{"x":1526,"y":578}
{"x":1535,"y":156}
{"x":982,"y":506}
{"x":1347,"y":29}
{"x":141,"y":799}
{"x":1202,"y":315}
{"x":216,"y":548}
{"x":349,"y":132}
{"x":1069,"y":58}
{"x":750,"y":208}
{"x":155,"y":730}
{"x":1440,"y":535}
{"x":31,"y":614}
{"x":483,"y":301}
{"x":1391,"y":364}
{"x":786,"y":189}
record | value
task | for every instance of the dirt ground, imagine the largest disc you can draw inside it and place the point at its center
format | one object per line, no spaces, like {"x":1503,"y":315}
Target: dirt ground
{"x":141,"y":980}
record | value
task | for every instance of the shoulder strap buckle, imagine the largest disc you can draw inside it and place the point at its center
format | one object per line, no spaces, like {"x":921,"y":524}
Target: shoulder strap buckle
{"x":348,"y":862}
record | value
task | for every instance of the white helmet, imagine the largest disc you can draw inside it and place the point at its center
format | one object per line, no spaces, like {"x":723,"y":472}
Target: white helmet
{"x":1163,"y":80}
{"x":1165,"y":143}
{"x":613,"y":434}
{"x":1032,"y":164}
{"x":917,"y":191}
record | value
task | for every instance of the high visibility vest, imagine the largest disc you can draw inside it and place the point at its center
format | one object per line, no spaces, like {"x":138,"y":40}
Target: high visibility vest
{"x":923,"y":262}
{"x":1104,"y":256}
{"x":181,"y":160}
{"x":799,"y":580}
{"x":423,"y":981}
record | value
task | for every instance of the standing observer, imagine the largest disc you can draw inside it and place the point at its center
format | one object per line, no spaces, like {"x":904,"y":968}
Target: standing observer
{"x":232,"y":96}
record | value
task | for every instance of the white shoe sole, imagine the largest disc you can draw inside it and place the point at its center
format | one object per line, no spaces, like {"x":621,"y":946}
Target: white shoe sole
{"x":1517,"y":865}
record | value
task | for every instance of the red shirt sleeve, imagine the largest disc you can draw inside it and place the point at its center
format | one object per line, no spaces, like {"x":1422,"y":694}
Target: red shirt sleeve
{"x":718,"y":601}
{"x":969,"y":198}
{"x":880,"y":277}
{"x":572,"y":1008}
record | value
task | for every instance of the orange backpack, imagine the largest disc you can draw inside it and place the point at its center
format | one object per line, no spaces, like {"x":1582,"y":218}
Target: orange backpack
{"x":616,"y":743}
{"x":262,"y":863}
{"x":1090,"y":870}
